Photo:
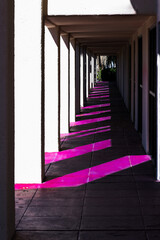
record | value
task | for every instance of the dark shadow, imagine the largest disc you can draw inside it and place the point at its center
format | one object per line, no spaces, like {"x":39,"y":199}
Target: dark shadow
{"x":55,"y":34}
{"x":147,"y":7}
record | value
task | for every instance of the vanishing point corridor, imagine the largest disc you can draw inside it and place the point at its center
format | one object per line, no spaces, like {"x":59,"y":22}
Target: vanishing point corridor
{"x":99,"y":186}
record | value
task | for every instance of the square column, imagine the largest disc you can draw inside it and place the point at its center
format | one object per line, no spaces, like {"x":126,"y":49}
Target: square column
{"x":72,"y":81}
{"x":89,"y":71}
{"x":95,"y":70}
{"x":77,"y":79}
{"x":96,"y":60}
{"x":87,"y":75}
{"x":82,"y":81}
{"x":158,"y":90}
{"x":7,"y":207}
{"x":29,"y":91}
{"x":64,"y":83}
{"x":92,"y":72}
{"x":52,"y":89}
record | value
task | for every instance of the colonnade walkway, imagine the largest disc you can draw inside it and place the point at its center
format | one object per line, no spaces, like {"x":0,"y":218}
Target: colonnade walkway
{"x":99,"y":186}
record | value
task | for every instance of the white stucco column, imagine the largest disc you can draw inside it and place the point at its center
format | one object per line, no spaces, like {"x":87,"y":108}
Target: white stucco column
{"x":7,"y":208}
{"x":52,"y":89}
{"x":84,"y":72}
{"x":95,"y":70}
{"x":92,"y":72}
{"x":81,"y":77}
{"x":158,"y":89}
{"x":89,"y":71}
{"x":87,"y":74}
{"x":77,"y":79}
{"x":29,"y":91}
{"x":145,"y":89}
{"x":72,"y":80}
{"x":64,"y":83}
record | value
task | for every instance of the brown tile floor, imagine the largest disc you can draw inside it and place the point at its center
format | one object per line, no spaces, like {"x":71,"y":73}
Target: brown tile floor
{"x":121,"y":206}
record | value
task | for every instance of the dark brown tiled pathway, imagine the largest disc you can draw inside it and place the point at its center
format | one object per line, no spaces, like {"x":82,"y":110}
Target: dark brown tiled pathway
{"x":124,"y":205}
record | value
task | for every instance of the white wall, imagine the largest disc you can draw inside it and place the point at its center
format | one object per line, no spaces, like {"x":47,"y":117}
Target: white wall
{"x":82,"y":77}
{"x":90,"y":7}
{"x":52,"y":89}
{"x":64,"y":84}
{"x":158,"y":89}
{"x":72,"y":80}
{"x":29,"y":80}
{"x":142,"y":31}
{"x":77,"y":79}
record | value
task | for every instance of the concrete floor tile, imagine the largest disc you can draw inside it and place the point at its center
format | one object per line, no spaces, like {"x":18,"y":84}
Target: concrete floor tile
{"x":115,"y":179}
{"x":151,"y":210}
{"x":110,"y":202}
{"x":69,"y":192}
{"x":112,"y":223}
{"x":111,"y":193}
{"x":46,"y":235}
{"x":145,"y":168}
{"x":112,"y":235}
{"x":112,"y":210}
{"x":144,"y":178}
{"x":24,"y":194}
{"x":153,"y":234}
{"x":152,"y":222}
{"x":114,"y":203}
{"x":49,"y":223}
{"x":19,"y":212}
{"x":57,"y":202}
{"x":48,"y":211}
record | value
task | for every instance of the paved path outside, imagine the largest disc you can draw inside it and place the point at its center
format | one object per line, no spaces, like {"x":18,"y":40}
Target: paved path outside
{"x":102,"y":183}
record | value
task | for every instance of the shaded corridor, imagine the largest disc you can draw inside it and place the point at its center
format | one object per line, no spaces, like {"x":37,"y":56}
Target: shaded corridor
{"x":101,"y":184}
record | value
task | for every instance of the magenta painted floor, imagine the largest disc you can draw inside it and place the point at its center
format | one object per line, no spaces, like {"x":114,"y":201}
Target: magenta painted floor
{"x":100,"y":186}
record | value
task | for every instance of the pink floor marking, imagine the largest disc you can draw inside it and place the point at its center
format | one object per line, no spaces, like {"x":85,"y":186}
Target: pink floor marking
{"x":92,"y":113}
{"x":78,"y":151}
{"x":108,"y":168}
{"x":101,"y":87}
{"x":96,"y":106}
{"x":90,"y":174}
{"x":88,"y":121}
{"x":141,"y":158}
{"x":97,"y":92}
{"x":91,"y":133}
{"x":104,"y":96}
{"x":83,"y":131}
